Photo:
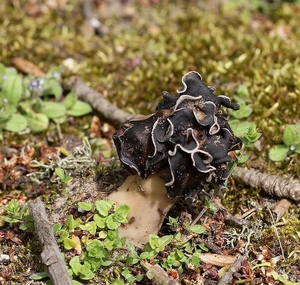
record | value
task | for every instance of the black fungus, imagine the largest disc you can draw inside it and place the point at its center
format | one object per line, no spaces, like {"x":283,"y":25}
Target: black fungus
{"x":186,"y":142}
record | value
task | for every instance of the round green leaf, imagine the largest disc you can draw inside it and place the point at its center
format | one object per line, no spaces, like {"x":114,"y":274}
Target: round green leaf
{"x":100,"y":221}
{"x":16,"y":123}
{"x":85,"y":206}
{"x":103,"y":207}
{"x":37,"y":122}
{"x":111,"y":223}
{"x":52,"y":109}
{"x":79,"y":109}
{"x":291,"y":135}
{"x":198,"y":229}
{"x":239,"y":128}
{"x":278,"y":153}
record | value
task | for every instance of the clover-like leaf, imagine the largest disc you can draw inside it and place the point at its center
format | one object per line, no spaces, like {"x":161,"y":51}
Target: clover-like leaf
{"x":243,"y":92}
{"x":100,"y":221}
{"x":103,"y":207}
{"x":85,"y":206}
{"x":72,"y":223}
{"x":111,"y":222}
{"x":91,"y":227}
{"x":121,"y":213}
{"x":62,"y":176}
{"x":198,"y":229}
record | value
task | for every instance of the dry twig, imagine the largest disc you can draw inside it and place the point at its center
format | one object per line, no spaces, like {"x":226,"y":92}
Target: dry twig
{"x":97,"y":101}
{"x":51,"y":254}
{"x":228,"y":276}
{"x":272,"y":184}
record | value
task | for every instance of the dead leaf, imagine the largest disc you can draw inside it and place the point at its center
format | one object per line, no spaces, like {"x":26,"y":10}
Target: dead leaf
{"x":217,"y":259}
{"x":78,"y":245}
{"x":27,"y":67}
{"x":281,"y":207}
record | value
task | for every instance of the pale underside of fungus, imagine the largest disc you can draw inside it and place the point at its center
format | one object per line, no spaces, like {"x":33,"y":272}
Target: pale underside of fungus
{"x":184,"y":146}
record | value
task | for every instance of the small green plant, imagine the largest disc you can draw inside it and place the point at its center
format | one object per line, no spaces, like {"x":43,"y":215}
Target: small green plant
{"x":17,"y":214}
{"x":291,"y":144}
{"x":32,"y":102}
{"x":249,"y":138}
{"x":243,"y":98}
{"x":155,"y":245}
{"x":100,"y":240}
{"x":103,"y":248}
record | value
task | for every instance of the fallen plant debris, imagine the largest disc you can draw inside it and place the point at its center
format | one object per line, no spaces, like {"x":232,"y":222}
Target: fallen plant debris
{"x":51,"y":254}
{"x":281,"y":208}
{"x":158,"y":275}
{"x":272,"y":184}
{"x":228,"y":276}
{"x":249,"y":50}
{"x":97,"y":101}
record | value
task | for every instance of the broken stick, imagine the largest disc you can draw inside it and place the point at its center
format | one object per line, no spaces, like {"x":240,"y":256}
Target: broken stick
{"x":272,"y":184}
{"x":97,"y":101}
{"x":51,"y":255}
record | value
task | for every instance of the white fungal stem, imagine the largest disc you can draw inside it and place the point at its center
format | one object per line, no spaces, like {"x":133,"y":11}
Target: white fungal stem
{"x":148,"y":202}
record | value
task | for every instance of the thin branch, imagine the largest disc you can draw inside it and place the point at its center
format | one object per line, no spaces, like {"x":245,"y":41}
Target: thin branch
{"x":228,"y":276}
{"x":276,"y":232}
{"x":228,"y":217}
{"x":272,"y":184}
{"x":97,"y":101}
{"x":51,"y":255}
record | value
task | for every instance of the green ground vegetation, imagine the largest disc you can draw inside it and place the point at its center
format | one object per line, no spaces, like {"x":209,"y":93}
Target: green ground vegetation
{"x":249,"y":52}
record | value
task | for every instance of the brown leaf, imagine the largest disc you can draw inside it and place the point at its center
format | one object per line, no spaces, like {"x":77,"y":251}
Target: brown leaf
{"x":217,"y":259}
{"x":78,"y":245}
{"x":27,"y":67}
{"x":281,"y":207}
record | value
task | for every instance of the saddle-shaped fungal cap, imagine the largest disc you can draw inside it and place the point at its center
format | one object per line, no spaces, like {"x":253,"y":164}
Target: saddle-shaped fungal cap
{"x":186,"y":142}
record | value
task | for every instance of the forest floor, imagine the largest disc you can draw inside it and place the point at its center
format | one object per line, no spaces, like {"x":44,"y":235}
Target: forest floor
{"x":137,"y":50}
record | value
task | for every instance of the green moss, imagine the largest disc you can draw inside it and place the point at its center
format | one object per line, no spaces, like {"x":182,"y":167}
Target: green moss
{"x":148,"y":52}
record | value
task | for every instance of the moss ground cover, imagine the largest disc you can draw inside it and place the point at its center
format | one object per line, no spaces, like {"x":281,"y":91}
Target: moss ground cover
{"x":147,"y":47}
